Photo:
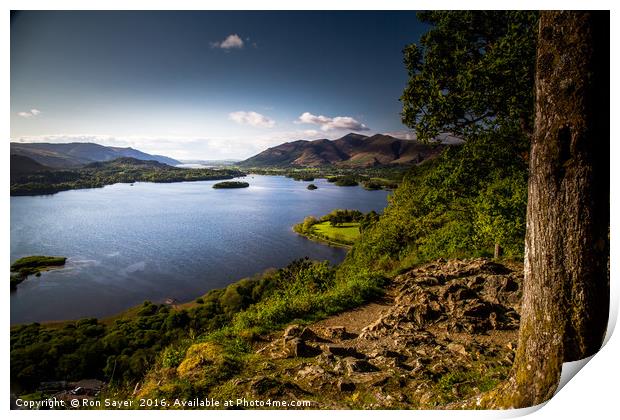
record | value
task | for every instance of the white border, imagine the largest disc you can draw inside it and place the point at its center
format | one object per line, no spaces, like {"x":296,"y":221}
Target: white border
{"x":592,"y":394}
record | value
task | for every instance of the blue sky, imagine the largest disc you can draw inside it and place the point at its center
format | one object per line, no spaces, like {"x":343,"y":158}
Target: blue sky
{"x":206,"y":85}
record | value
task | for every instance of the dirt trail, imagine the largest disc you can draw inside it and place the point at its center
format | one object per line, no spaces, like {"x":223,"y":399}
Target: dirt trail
{"x":442,"y":333}
{"x":356,"y":319}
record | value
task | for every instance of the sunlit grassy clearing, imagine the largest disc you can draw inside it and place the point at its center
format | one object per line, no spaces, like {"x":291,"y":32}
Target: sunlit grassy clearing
{"x":348,"y":232}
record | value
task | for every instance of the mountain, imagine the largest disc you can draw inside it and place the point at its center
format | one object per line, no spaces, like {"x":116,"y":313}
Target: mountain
{"x":352,"y":150}
{"x":133,"y":153}
{"x":70,"y":155}
{"x":24,"y":165}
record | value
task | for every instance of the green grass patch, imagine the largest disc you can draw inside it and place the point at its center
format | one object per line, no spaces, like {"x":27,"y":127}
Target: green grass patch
{"x":344,"y":233}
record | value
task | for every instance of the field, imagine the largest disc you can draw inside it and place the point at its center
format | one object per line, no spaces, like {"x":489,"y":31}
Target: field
{"x":343,"y":233}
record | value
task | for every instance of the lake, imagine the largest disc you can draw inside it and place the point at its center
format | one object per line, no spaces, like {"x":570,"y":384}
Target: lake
{"x":127,"y":244}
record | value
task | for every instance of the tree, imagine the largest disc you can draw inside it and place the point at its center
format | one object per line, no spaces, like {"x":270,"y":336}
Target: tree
{"x":566,"y":286}
{"x":473,"y":73}
{"x":473,"y":70}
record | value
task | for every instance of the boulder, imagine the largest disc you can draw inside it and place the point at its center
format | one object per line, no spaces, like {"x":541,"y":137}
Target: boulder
{"x":342,"y":351}
{"x":299,"y":348}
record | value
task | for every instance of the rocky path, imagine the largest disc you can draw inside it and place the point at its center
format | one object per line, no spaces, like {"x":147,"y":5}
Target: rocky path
{"x":443,"y":332}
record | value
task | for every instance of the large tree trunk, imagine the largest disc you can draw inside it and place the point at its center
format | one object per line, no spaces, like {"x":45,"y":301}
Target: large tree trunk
{"x":566,"y":286}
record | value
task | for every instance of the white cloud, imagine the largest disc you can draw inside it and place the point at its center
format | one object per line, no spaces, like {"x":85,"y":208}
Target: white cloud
{"x":329,"y":123}
{"x":402,"y":134}
{"x":311,"y":133}
{"x":251,"y":118}
{"x":443,"y":138}
{"x":28,"y":114}
{"x":231,"y":41}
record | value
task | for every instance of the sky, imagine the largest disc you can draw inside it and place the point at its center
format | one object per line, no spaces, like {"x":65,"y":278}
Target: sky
{"x":204,"y":84}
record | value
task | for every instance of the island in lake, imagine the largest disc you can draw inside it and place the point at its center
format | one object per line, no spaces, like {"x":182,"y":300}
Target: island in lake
{"x":231,"y":184}
{"x":35,"y":264}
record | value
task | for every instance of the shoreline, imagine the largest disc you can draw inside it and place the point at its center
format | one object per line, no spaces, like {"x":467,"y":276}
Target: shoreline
{"x":130,"y":312}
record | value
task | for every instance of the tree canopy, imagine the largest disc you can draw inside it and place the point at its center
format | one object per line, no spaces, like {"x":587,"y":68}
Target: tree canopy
{"x":473,"y":70}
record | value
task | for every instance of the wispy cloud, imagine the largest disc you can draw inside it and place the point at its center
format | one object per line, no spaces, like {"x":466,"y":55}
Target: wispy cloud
{"x":251,"y":118}
{"x":443,"y":138}
{"x":29,"y":114}
{"x":402,"y":134}
{"x":332,"y":123}
{"x":231,"y":41}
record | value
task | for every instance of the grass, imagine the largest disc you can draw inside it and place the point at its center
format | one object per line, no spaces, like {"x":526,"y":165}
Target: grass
{"x":460,"y":385}
{"x":344,"y":233}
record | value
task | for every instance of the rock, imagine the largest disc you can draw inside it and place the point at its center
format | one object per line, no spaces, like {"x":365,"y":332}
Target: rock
{"x":427,"y":398}
{"x":311,"y":370}
{"x":380,"y":381}
{"x":338,"y":332}
{"x":326,"y":360}
{"x":353,"y":365}
{"x":342,"y":351}
{"x":368,"y":332}
{"x":457,"y":348}
{"x":411,"y":344}
{"x":292,"y":331}
{"x":345,"y":386}
{"x":299,"y":348}
{"x":297,"y":331}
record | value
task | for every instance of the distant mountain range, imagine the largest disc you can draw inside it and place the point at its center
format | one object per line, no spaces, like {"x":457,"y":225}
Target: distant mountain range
{"x":352,"y":150}
{"x":72,"y":155}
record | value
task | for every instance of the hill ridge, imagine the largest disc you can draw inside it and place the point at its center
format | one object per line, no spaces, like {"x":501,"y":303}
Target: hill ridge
{"x":351,"y":150}
{"x":75,"y":154}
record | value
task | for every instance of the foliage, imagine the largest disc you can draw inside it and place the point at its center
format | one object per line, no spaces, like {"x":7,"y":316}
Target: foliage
{"x":122,"y":350}
{"x":36,"y":261}
{"x":456,"y":205}
{"x":372,"y":178}
{"x":307,"y":290}
{"x":345,"y":181}
{"x":231,"y":184}
{"x":99,"y":174}
{"x":471,"y":75}
{"x":473,"y":70}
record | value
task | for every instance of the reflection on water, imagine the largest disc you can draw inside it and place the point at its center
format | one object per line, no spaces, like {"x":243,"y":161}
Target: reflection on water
{"x":126,"y":244}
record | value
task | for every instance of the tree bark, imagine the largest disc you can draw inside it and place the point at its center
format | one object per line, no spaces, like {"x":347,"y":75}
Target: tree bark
{"x":566,"y":286}
{"x":498,"y":251}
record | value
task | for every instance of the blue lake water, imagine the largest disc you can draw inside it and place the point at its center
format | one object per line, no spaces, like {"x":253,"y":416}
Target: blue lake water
{"x":126,"y":244}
